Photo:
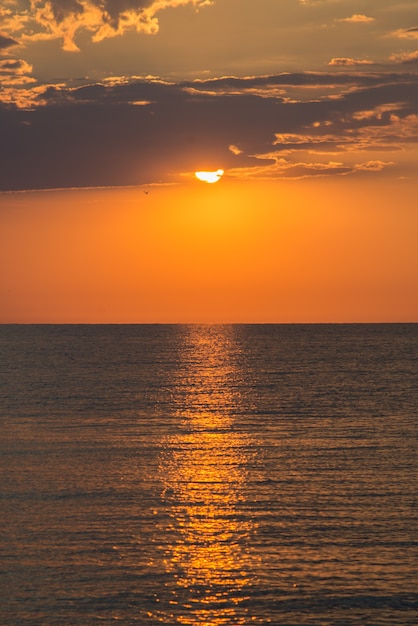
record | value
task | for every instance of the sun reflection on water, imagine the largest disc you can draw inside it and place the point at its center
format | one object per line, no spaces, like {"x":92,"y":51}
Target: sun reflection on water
{"x":204,"y":469}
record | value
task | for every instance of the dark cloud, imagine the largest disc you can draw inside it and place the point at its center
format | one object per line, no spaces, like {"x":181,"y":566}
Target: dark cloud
{"x":7,"y":42}
{"x":13,"y":66}
{"x":302,"y":79}
{"x":111,"y":10}
{"x":63,"y":8}
{"x":150,"y":131}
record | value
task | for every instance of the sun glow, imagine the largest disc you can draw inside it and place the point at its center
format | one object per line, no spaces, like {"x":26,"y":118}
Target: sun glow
{"x":209,"y":177}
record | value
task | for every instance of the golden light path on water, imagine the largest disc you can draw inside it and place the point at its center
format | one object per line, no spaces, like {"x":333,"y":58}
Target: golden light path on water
{"x":204,"y":469}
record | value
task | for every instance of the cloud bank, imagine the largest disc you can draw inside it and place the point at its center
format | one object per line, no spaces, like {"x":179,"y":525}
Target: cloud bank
{"x":146,"y":131}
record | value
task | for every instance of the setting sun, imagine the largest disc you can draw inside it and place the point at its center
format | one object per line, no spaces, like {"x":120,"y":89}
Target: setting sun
{"x":209,"y":177}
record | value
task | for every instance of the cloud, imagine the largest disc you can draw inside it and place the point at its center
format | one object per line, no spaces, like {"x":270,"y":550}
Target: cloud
{"x":286,"y":169}
{"x":373,"y":166}
{"x":7,"y":42}
{"x":234,"y":149}
{"x":405,"y":57}
{"x":406,"y":33}
{"x":15,"y":77}
{"x":344,"y":61}
{"x":14,"y":66}
{"x":287,"y":80}
{"x":97,"y":135}
{"x":306,"y":2}
{"x":64,"y":19}
{"x":356,"y":19}
{"x":12,"y":69}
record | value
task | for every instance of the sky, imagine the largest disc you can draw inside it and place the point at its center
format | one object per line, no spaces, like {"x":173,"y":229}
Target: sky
{"x":109,"y":107}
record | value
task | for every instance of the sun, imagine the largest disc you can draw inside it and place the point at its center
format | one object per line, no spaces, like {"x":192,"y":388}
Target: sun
{"x":209,"y":177}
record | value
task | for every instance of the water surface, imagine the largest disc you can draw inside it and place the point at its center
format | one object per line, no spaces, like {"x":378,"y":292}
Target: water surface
{"x":209,"y":474}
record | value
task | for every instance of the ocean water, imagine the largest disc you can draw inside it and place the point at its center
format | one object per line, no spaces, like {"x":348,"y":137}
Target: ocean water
{"x":209,"y":475}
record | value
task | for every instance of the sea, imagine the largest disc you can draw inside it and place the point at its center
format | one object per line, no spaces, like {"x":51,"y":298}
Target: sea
{"x":209,"y":475}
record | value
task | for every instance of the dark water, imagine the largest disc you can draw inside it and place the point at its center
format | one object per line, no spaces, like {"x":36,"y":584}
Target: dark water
{"x":213,"y":475}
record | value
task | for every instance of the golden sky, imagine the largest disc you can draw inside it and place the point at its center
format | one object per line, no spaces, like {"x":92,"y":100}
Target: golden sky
{"x":108,"y":107}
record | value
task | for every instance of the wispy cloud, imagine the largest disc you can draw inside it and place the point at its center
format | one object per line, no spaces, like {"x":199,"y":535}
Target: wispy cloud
{"x":356,"y":19}
{"x":405,"y":58}
{"x":346,"y":61}
{"x":406,"y":33}
{"x":373,"y":166}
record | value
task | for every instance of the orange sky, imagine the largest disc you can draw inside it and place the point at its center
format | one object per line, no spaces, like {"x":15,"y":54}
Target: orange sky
{"x":299,"y":251}
{"x":309,"y":106}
